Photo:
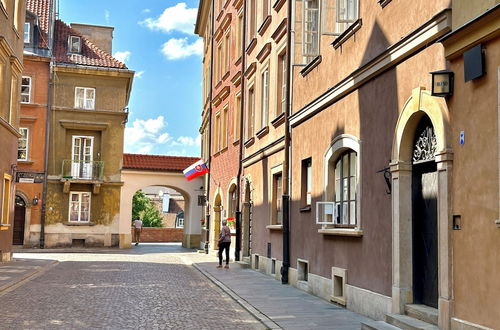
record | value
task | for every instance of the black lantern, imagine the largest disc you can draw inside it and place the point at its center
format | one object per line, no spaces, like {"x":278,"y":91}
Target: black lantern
{"x":442,"y":83}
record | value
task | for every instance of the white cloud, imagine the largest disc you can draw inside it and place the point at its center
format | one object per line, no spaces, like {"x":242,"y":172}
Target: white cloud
{"x":164,"y":138}
{"x":122,"y":56}
{"x":139,"y":74}
{"x":177,"y":18}
{"x":106,"y":16}
{"x":187,"y":141}
{"x":175,"y":49}
{"x":146,"y":10}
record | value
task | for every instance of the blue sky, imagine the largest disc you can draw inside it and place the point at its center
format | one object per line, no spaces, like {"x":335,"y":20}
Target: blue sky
{"x":154,"y":38}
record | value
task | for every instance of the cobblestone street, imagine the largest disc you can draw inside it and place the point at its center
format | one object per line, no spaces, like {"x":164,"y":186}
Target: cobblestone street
{"x":148,"y":287}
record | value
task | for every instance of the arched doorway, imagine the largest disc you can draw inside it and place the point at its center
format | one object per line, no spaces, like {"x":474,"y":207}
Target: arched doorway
{"x":421,"y":215}
{"x":217,"y":220}
{"x":19,"y":221}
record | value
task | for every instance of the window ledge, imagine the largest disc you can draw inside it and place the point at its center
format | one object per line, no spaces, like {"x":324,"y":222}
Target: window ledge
{"x":263,"y":132}
{"x":224,"y":77}
{"x":383,"y":3}
{"x":278,"y":120}
{"x":235,"y":143}
{"x":341,"y":232}
{"x":5,"y":225}
{"x":4,"y":10}
{"x":265,"y":24}
{"x":274,"y":227}
{"x":347,"y":34}
{"x":26,"y":162}
{"x":305,"y":209}
{"x":251,"y":46}
{"x":68,"y":223}
{"x":249,"y":142}
{"x":238,"y":61}
{"x":311,"y":65}
{"x":278,"y":4}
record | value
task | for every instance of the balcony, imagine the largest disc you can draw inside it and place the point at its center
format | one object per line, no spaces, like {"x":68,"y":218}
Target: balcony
{"x":82,"y":172}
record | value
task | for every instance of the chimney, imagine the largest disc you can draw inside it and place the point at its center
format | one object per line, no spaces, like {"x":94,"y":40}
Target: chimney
{"x":101,"y":36}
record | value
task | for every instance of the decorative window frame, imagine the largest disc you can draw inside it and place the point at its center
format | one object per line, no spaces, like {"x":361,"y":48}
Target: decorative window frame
{"x":249,"y":112}
{"x":6,"y":199}
{"x":70,"y":43}
{"x":339,"y":145}
{"x":280,"y":53}
{"x":30,"y":87}
{"x":80,"y":193}
{"x":265,"y":67}
{"x":27,"y":144}
{"x":237,"y":117}
{"x":273,"y":225}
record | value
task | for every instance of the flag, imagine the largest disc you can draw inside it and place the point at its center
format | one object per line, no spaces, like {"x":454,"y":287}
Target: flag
{"x":195,"y":170}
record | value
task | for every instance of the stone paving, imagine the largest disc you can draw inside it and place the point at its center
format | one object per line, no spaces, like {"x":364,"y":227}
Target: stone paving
{"x":148,"y":287}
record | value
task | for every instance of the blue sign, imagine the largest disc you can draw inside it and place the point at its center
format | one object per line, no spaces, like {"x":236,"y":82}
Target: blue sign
{"x":462,"y":138}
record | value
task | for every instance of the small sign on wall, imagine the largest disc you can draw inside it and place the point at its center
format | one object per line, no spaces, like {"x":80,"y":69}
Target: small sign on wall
{"x":462,"y":138}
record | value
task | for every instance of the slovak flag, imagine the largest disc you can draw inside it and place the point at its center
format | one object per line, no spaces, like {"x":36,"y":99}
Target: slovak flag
{"x":195,"y":170}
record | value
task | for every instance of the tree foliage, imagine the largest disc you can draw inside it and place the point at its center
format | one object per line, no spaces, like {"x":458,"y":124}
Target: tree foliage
{"x":144,"y":209}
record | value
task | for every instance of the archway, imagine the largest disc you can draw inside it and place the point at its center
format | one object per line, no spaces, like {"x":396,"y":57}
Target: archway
{"x":428,"y":175}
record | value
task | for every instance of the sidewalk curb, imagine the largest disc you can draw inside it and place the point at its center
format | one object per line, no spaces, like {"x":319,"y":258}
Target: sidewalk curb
{"x":266,"y":321}
{"x":26,"y":277}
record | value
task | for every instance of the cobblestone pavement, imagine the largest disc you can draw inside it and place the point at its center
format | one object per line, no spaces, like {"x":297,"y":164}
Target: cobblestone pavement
{"x":148,"y":287}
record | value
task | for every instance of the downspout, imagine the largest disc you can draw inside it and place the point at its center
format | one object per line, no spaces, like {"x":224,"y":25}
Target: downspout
{"x":43,"y":212}
{"x":207,"y":216}
{"x":240,"y":155}
{"x":286,"y":162}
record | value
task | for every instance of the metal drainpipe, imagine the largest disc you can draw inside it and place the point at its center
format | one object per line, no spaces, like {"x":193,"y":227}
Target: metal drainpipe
{"x":43,"y":212}
{"x":286,"y":162}
{"x":240,"y":156}
{"x":210,"y":127}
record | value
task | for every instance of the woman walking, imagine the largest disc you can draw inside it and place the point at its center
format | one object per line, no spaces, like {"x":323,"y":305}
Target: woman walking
{"x":224,"y":243}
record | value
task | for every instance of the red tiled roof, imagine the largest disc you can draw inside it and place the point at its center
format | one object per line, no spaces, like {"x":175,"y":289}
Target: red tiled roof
{"x":91,"y":55}
{"x":157,"y":163}
{"x":41,"y":8}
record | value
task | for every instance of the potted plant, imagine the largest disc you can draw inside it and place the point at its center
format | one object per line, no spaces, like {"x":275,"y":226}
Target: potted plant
{"x":231,"y":222}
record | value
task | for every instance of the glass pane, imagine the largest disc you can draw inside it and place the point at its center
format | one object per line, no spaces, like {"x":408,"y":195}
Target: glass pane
{"x":24,"y":133}
{"x":309,"y":177}
{"x":75,"y":197}
{"x":90,"y":93}
{"x":353,"y":162}
{"x":352,"y":213}
{"x":308,"y":198}
{"x":345,"y":165}
{"x":21,"y":154}
{"x":21,"y":143}
{"x":345,"y":186}
{"x":345,"y":213}
{"x":337,"y":190}
{"x":352,"y":190}
{"x":26,"y":81}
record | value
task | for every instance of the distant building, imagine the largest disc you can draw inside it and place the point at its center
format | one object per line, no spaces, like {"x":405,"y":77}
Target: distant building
{"x":169,"y":202}
{"x":11,"y":68}
{"x":91,"y":90}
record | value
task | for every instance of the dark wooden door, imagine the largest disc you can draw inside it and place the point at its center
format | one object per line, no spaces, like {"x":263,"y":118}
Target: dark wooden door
{"x":425,"y":235}
{"x":19,"y":220}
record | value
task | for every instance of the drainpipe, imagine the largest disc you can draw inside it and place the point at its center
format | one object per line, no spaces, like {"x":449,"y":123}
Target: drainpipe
{"x":286,"y":162}
{"x":207,"y":216}
{"x":43,"y":212}
{"x":240,"y":156}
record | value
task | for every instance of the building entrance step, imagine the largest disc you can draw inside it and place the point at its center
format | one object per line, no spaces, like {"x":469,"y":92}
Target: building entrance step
{"x":422,"y":312}
{"x":377,"y":325}
{"x":406,"y":322}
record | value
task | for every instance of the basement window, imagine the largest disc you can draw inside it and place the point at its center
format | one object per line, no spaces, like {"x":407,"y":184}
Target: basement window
{"x":302,"y":270}
{"x":339,"y":278}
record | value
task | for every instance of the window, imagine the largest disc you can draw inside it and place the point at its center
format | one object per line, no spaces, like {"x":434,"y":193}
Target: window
{"x":179,"y":220}
{"x":265,"y":99}
{"x":227,"y":50}
{"x":250,"y":113}
{"x":347,"y":13}
{"x":217,"y":133}
{"x":7,"y":179}
{"x":26,"y":90}
{"x":345,"y":188}
{"x":75,"y":44}
{"x":265,"y":10}
{"x":82,"y":156}
{"x":277,"y":199}
{"x":79,"y":207}
{"x":27,"y":31}
{"x":239,"y":35}
{"x":218,"y":62}
{"x":237,"y":117}
{"x":22,"y":144}
{"x":84,"y":98}
{"x":282,"y":80}
{"x":306,"y":184}
{"x":224,"y":128}
{"x":310,"y":46}
{"x":252,"y":17}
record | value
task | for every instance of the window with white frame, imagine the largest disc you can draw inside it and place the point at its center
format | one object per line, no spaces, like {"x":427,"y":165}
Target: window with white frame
{"x":250,"y":117}
{"x":281,"y":82}
{"x":27,"y":33}
{"x":345,"y":188}
{"x":23,"y":144}
{"x":79,"y":207}
{"x":264,"y":116}
{"x":75,"y":44}
{"x":237,"y":117}
{"x":26,"y":89}
{"x":306,"y":184}
{"x":277,"y":200}
{"x":347,"y":13}
{"x":85,"y":98}
{"x":310,"y":28}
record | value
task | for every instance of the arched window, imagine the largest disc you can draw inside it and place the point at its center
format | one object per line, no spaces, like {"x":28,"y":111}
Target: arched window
{"x":346,"y":188}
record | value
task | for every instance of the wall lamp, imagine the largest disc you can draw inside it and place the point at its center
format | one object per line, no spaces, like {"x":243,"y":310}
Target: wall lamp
{"x":35,"y":200}
{"x":387,"y":177}
{"x":442,"y":83}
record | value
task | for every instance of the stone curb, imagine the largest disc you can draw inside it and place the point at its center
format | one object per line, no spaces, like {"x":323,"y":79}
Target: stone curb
{"x":27,"y":277}
{"x":266,"y":321}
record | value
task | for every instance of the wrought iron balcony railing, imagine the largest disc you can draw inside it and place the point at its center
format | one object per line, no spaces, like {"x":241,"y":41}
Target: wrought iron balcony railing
{"x":82,"y":170}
